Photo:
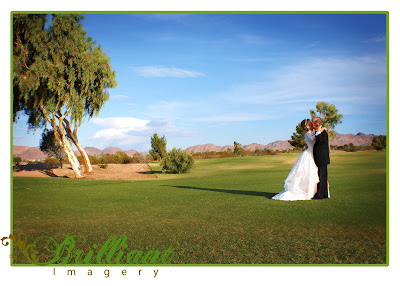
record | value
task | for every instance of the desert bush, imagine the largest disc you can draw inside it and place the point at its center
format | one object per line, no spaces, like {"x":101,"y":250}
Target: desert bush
{"x":122,"y":158}
{"x":94,"y":159}
{"x":139,"y":158}
{"x":17,"y":160}
{"x":379,"y":142}
{"x":104,"y":166}
{"x":177,"y":161}
{"x":107,"y":158}
{"x":51,"y":160}
{"x":352,"y":148}
{"x":212,"y":154}
{"x":34,"y":162}
{"x":264,"y":152}
{"x":229,"y":153}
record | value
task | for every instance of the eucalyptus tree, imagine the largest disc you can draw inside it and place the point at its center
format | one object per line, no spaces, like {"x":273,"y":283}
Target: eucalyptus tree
{"x":61,"y":80}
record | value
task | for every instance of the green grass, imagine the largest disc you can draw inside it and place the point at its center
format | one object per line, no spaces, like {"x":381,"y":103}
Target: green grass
{"x":221,"y":212}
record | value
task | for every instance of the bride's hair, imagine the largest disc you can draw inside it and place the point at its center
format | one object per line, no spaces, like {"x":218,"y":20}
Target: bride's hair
{"x":304,"y":124}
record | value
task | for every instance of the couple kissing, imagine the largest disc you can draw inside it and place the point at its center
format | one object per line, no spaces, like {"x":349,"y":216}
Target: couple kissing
{"x":308,"y":178}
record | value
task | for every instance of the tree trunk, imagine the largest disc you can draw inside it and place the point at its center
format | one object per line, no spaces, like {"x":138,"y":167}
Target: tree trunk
{"x":59,"y":131}
{"x":88,"y":165}
{"x":73,"y":136}
{"x":71,"y":157}
{"x":76,"y":166}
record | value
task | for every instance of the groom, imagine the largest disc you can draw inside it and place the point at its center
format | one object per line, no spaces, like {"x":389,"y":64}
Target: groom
{"x":321,"y":158}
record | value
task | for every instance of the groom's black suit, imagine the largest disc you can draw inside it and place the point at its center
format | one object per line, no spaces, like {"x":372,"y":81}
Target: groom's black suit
{"x":321,"y":158}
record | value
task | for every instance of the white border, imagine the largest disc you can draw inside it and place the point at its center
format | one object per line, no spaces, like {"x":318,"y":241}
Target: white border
{"x":200,"y":275}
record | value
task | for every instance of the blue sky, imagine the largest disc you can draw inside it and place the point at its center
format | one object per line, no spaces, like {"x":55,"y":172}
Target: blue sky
{"x":220,"y":78}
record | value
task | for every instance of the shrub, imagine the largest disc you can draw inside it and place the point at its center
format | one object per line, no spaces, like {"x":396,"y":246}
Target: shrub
{"x":51,"y":160}
{"x":352,"y":148}
{"x":107,"y":158}
{"x":94,"y":159}
{"x":177,"y":161}
{"x":379,"y":142}
{"x":122,"y":158}
{"x":17,"y":160}
{"x":104,"y":166}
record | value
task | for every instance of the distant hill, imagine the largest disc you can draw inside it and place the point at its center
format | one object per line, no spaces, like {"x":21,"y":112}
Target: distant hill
{"x":34,"y":153}
{"x":205,"y":148}
{"x":131,"y":152}
{"x":359,"y":139}
{"x":17,"y":150}
{"x":112,"y":150}
{"x":93,"y":151}
{"x":29,"y":153}
{"x":277,"y":145}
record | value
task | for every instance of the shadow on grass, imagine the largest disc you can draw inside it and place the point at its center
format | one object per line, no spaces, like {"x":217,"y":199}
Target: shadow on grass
{"x":235,"y":192}
{"x":150,"y":172}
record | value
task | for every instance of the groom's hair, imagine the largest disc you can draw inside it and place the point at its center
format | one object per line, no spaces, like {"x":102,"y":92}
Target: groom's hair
{"x":318,"y":120}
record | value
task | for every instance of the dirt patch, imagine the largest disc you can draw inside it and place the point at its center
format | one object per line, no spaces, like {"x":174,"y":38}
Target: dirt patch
{"x":113,"y":171}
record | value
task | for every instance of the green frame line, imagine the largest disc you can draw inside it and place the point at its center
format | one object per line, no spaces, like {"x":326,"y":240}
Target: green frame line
{"x":203,"y":12}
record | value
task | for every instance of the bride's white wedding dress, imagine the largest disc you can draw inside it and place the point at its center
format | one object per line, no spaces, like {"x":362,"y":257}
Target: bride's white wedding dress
{"x":301,"y":183}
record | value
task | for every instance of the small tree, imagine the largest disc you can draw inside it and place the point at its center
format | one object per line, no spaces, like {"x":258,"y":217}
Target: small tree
{"x":352,"y":148}
{"x":298,"y":137}
{"x":237,"y":149}
{"x":329,"y":115}
{"x":17,"y":160}
{"x":158,"y":147}
{"x":379,"y":142}
{"x":50,"y":146}
{"x":177,"y":161}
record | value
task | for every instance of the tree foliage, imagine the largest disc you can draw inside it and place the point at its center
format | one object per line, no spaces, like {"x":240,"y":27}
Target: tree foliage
{"x":379,"y":142}
{"x":158,"y":147}
{"x":329,"y":115}
{"x":50,"y":146}
{"x":60,"y":76}
{"x":237,"y":149}
{"x":298,"y":137}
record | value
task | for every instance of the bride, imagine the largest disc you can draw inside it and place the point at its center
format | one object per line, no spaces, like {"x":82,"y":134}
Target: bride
{"x":301,"y":183}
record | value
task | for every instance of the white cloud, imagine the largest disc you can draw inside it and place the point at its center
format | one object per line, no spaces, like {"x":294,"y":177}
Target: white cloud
{"x":122,"y":123}
{"x":161,"y":71}
{"x":125,"y":131}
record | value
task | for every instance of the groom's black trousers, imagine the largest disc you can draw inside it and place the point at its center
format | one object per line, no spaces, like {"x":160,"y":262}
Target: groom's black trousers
{"x":322,"y":187}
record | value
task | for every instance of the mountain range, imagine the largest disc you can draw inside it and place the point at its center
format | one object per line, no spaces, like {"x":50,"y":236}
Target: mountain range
{"x":360,"y":139}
